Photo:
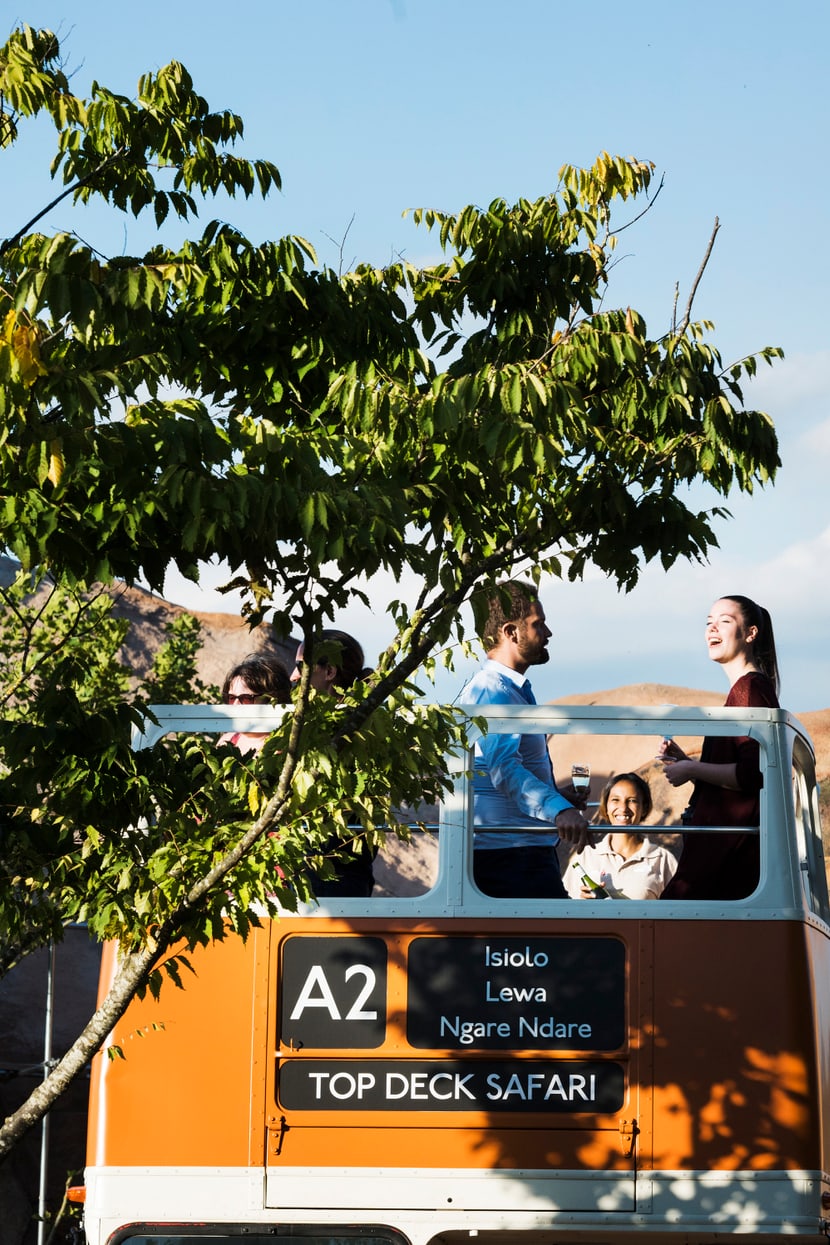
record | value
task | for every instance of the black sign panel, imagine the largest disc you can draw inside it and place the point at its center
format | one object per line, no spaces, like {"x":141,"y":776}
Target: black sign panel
{"x":333,"y":992}
{"x":534,"y":993}
{"x":451,"y":1085}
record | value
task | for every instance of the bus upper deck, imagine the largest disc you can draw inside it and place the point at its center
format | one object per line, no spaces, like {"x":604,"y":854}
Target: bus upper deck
{"x":449,"y":1064}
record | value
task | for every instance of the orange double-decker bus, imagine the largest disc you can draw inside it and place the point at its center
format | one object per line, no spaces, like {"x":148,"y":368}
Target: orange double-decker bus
{"x":445,"y":1066}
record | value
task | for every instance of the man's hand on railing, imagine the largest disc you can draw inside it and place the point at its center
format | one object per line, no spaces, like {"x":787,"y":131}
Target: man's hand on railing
{"x":572,"y":827}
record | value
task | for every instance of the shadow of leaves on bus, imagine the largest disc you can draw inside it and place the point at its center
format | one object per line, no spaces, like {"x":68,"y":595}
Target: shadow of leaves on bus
{"x":719,"y":1074}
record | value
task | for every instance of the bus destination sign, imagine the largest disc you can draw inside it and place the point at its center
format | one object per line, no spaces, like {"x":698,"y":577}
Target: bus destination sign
{"x":470,"y":995}
{"x":535,"y":993}
{"x":550,"y":993}
{"x":522,"y":1086}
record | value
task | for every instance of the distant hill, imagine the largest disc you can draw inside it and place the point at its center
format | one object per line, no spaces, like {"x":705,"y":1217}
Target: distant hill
{"x":816,"y":721}
{"x":226,"y":637}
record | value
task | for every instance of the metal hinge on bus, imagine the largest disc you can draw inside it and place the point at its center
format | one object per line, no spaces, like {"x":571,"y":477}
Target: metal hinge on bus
{"x":628,"y":1136}
{"x":280,"y":1127}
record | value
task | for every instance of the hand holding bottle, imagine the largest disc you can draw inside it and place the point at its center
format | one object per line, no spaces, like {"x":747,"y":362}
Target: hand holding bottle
{"x":590,"y":888}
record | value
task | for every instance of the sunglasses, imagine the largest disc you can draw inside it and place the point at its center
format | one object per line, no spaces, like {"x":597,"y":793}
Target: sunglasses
{"x":246,"y":698}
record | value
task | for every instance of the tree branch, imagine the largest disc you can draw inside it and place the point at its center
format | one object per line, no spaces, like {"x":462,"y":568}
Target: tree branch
{"x":76,"y":186}
{"x":645,"y":210}
{"x":684,"y":324}
{"x":420,"y":635}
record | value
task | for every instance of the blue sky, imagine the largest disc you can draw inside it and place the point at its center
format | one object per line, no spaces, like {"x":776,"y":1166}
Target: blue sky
{"x":369,"y":107}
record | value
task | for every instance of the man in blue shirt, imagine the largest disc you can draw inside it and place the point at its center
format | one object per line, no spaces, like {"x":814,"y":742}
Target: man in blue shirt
{"x":514,"y":785}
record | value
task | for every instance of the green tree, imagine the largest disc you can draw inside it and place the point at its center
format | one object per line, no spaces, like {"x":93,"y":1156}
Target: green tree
{"x":174,"y":678}
{"x":62,"y":680}
{"x":457,"y":421}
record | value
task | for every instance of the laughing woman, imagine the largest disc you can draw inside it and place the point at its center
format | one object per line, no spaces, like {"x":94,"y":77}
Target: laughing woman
{"x":727,"y":778}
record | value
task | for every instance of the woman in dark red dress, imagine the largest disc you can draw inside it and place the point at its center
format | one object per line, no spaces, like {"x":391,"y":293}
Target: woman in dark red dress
{"x":727,"y":778}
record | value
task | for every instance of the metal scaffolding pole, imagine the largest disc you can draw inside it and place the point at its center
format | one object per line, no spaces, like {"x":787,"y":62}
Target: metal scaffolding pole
{"x":47,"y":1067}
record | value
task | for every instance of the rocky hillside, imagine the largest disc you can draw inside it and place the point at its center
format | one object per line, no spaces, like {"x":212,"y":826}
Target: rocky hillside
{"x":226,"y":637}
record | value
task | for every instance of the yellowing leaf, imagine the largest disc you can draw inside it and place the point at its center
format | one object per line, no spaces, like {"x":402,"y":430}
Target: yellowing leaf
{"x":56,"y":462}
{"x":254,"y":798}
{"x":23,"y":341}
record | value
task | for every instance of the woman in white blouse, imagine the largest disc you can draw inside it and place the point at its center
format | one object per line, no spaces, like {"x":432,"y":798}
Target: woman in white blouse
{"x":626,"y":863}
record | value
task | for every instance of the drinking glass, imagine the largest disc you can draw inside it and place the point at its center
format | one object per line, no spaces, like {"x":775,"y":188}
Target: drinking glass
{"x":581,"y":777}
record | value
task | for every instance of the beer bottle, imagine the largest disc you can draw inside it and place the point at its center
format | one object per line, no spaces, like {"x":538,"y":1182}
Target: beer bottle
{"x":599,"y":890}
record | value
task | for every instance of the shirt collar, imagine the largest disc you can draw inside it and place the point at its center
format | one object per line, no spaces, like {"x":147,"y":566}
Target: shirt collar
{"x":647,"y":848}
{"x":520,"y":680}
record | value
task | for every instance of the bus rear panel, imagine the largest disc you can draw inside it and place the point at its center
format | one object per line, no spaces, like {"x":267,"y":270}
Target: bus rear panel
{"x":416,"y":1069}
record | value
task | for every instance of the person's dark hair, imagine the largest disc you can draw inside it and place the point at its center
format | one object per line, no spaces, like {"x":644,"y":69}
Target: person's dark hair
{"x":344,"y":653}
{"x":763,"y":646}
{"x":510,"y":601}
{"x":640,"y":785}
{"x":265,"y":676}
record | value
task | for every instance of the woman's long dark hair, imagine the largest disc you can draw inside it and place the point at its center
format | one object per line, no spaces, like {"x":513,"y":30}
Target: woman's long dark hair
{"x":763,"y":646}
{"x":264,"y":675}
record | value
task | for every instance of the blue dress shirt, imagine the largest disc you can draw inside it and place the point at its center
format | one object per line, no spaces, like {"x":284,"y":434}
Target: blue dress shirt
{"x":513,"y":780}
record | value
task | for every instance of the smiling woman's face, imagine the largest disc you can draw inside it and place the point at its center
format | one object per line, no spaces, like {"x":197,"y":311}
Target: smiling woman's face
{"x":624,"y":804}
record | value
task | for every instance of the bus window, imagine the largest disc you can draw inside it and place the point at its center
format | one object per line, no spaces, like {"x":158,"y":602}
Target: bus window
{"x":607,"y":741}
{"x":808,"y":829}
{"x":290,"y":1234}
{"x":405,"y":867}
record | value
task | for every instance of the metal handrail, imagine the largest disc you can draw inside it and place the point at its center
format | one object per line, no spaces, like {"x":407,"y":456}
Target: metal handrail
{"x":605,"y":828}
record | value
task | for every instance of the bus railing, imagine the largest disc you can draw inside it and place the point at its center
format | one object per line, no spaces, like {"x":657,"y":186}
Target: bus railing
{"x":784,"y":747}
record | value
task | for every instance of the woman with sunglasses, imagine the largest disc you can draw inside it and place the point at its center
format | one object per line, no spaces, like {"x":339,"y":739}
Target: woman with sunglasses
{"x":258,"y":680}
